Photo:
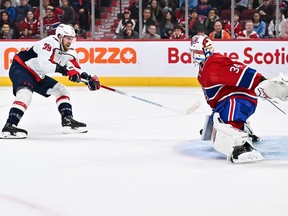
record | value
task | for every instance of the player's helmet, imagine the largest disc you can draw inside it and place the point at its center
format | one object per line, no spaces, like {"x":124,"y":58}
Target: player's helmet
{"x":65,"y":30}
{"x":201,"y":48}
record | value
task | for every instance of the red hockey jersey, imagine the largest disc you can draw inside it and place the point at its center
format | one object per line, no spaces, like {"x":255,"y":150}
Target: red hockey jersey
{"x":221,"y":78}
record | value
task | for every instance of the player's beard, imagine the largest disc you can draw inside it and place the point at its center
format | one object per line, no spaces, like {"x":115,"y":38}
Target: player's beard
{"x":66,"y":46}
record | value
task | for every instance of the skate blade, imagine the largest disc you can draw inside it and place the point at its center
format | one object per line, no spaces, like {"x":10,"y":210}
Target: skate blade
{"x":8,"y":135}
{"x":69,"y":130}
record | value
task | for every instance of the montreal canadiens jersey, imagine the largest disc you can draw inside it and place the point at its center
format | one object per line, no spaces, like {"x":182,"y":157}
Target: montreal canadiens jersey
{"x":222,"y":78}
{"x":43,"y":57}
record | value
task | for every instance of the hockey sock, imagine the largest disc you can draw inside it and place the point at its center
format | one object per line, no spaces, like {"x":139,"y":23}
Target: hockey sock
{"x":20,"y":105}
{"x":65,"y":109}
{"x":15,"y":115}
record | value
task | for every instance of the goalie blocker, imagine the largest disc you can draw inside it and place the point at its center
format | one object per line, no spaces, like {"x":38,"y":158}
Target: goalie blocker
{"x":233,"y":143}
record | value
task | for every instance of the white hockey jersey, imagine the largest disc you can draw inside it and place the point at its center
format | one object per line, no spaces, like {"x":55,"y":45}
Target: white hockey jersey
{"x":43,"y":57}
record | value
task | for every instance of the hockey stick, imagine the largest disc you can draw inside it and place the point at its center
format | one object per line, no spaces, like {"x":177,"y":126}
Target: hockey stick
{"x":274,"y":104}
{"x":188,"y":111}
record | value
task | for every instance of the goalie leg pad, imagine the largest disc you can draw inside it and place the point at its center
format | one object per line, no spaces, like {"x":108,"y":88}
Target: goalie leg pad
{"x":207,"y":129}
{"x":225,"y":137}
{"x":233,"y":143}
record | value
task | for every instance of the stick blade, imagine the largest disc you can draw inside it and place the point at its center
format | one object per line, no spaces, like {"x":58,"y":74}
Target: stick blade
{"x":194,"y":107}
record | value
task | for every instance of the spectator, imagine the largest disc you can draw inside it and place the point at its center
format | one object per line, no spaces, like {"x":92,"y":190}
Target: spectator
{"x":210,"y":20}
{"x":46,"y":3}
{"x":241,"y":5}
{"x":134,"y":8}
{"x":15,"y":3}
{"x":258,"y":25}
{"x":34,"y":3}
{"x":237,"y":26}
{"x":248,"y":33}
{"x":128,"y":32}
{"x":285,"y":29}
{"x":11,"y":10}
{"x":284,"y":7}
{"x":227,"y":4}
{"x":50,"y":21}
{"x":79,"y":32}
{"x":157,"y":14}
{"x":69,"y":14}
{"x":146,"y":21}
{"x":168,"y":25}
{"x":169,"y":4}
{"x":122,"y":23}
{"x":6,"y":32}
{"x":191,"y":3}
{"x":181,"y":15}
{"x":4,"y":18}
{"x":29,"y":27}
{"x":218,"y":32}
{"x":272,"y":25}
{"x":266,"y":11}
{"x":82,"y":10}
{"x":177,"y":33}
{"x":202,"y":9}
{"x":218,"y":5}
{"x":55,"y":3}
{"x":145,"y":3}
{"x":151,"y":34}
{"x":255,"y":3}
{"x":194,"y":25}
{"x":22,"y":10}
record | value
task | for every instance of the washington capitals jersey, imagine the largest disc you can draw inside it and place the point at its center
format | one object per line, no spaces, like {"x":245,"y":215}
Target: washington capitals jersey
{"x":222,"y":78}
{"x":43,"y":57}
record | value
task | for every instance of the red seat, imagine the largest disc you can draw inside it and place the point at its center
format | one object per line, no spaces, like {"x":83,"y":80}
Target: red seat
{"x":247,"y":14}
{"x":225,"y":15}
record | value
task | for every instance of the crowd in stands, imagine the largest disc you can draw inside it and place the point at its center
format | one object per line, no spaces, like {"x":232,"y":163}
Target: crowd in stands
{"x":22,"y":17}
{"x":252,"y":19}
{"x":162,"y":19}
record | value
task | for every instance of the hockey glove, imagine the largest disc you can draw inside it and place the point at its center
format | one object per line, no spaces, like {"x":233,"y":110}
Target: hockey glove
{"x":93,"y":82}
{"x":74,"y":75}
{"x":61,"y":69}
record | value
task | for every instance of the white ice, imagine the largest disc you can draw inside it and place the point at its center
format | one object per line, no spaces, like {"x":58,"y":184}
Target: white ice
{"x":137,"y":160}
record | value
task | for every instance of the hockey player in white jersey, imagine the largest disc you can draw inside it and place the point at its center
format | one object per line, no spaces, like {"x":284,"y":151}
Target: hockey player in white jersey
{"x":28,"y":73}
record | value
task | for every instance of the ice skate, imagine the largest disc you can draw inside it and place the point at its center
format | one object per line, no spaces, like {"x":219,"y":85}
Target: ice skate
{"x":72,"y":126}
{"x":245,"y":153}
{"x":12,"y":132}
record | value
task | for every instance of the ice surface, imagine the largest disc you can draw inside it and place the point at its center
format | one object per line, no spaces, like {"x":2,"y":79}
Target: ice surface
{"x":137,"y":160}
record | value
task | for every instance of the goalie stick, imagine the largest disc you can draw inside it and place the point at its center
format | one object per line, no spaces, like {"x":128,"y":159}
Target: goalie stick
{"x":274,"y":103}
{"x":188,"y":111}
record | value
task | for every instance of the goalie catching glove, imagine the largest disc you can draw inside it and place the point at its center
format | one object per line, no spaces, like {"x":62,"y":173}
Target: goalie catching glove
{"x":91,"y":81}
{"x":73,"y":74}
{"x":276,"y":87}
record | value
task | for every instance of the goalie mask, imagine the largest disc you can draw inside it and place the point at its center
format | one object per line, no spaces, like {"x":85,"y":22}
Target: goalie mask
{"x":201,"y":48}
